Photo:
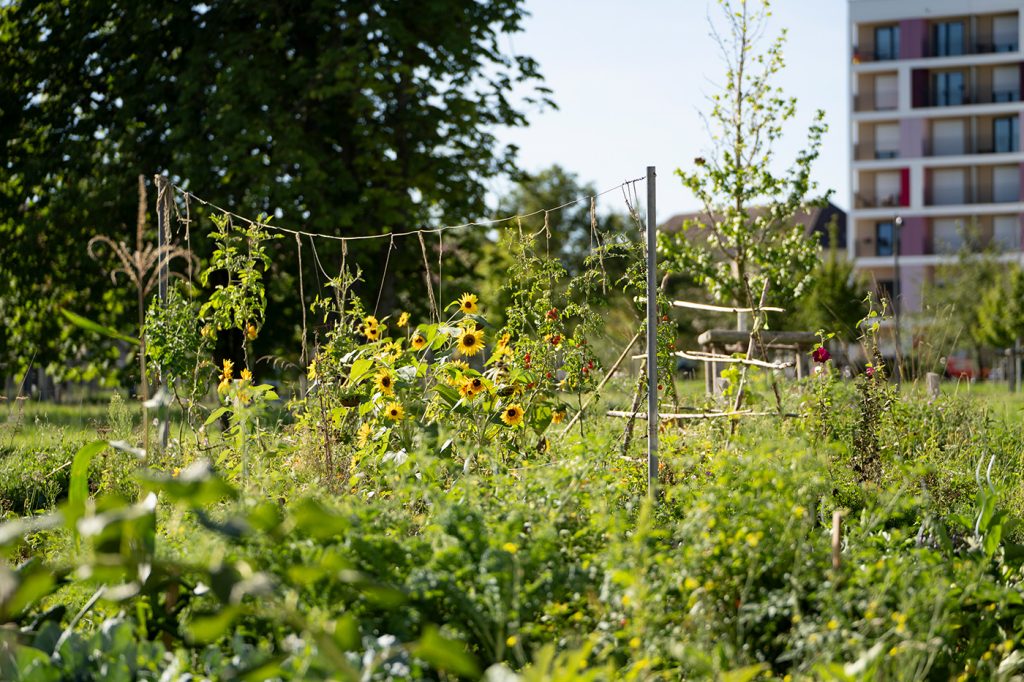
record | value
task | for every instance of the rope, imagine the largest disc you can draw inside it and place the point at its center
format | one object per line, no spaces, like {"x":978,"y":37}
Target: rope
{"x":392,"y":235}
{"x":430,"y":284}
{"x":384,"y":275}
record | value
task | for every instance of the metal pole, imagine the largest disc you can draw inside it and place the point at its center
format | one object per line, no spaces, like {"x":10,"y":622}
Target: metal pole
{"x":897,"y":303}
{"x":163,"y":213}
{"x":652,"y":334}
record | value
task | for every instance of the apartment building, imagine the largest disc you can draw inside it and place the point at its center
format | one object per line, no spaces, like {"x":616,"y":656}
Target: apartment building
{"x":937,"y":162}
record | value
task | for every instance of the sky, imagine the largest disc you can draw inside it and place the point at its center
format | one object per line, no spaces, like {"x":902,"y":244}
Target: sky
{"x":631,"y":78}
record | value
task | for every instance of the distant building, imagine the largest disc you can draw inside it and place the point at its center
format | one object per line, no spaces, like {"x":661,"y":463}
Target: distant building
{"x":935,"y":112}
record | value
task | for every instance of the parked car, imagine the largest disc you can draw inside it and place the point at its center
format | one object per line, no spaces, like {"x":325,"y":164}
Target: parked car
{"x":960,"y":365}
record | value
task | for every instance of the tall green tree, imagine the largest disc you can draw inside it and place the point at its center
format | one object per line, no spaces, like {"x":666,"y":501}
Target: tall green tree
{"x":732,"y":249}
{"x":346,"y":117}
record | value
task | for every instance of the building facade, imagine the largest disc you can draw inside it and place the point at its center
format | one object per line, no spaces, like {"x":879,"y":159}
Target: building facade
{"x":935,"y":110}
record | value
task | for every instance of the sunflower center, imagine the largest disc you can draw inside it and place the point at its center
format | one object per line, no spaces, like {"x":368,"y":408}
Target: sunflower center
{"x":469,"y":340}
{"x":511,"y":412}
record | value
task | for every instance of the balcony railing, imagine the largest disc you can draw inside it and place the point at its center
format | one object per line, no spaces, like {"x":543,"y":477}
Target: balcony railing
{"x":939,"y":147}
{"x":986,"y":47}
{"x":876,"y":101}
{"x":872,"y":200}
{"x":967,"y":96}
{"x":864,"y":151}
{"x":980,"y":194}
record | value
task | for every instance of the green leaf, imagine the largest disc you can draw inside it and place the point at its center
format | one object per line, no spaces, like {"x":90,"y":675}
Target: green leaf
{"x":359,"y":369}
{"x":197,"y":485}
{"x":744,"y":674}
{"x":445,"y":654}
{"x":216,"y":414}
{"x":209,"y":627}
{"x":78,"y":488}
{"x":96,"y":327}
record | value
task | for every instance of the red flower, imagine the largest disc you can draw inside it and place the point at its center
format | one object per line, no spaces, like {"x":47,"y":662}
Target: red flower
{"x":821,"y":354}
{"x":556,"y":339}
{"x":870,"y":371}
{"x":553,"y":314}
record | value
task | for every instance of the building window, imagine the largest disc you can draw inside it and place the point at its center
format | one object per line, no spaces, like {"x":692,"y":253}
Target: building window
{"x":887,"y":43}
{"x":949,"y":39}
{"x":884,"y":238}
{"x":948,"y":88}
{"x":1006,"y":134}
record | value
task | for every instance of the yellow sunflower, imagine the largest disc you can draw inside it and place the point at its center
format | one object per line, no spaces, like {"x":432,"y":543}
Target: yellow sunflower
{"x":460,"y":365}
{"x":371,"y":333}
{"x":418,"y":342}
{"x":370,"y":321}
{"x":512,"y":415}
{"x":394,"y":411}
{"x":403,"y":320}
{"x":471,"y":386}
{"x":467,"y":304}
{"x":385,"y":383}
{"x":363,"y":434}
{"x":503,"y":341}
{"x":471,"y":341}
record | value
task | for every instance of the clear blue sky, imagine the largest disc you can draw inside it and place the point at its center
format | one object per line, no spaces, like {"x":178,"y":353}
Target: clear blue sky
{"x":630,"y":79}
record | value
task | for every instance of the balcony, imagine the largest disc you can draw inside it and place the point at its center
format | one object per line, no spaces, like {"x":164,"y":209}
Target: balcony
{"x":869,"y":199}
{"x":876,"y":101}
{"x":865,"y":151}
{"x":972,"y":194}
{"x":967,"y":96}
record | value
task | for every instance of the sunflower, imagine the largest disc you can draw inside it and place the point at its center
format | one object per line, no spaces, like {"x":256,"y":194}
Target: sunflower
{"x":467,"y":304}
{"x":470,"y":342}
{"x":363,"y":434}
{"x":394,"y":411}
{"x":225,"y":374}
{"x":557,"y":417}
{"x":460,"y":365}
{"x":370,"y":321}
{"x":371,"y":333}
{"x":403,"y":320}
{"x":418,"y":342}
{"x":512,"y":415}
{"x":503,"y":341}
{"x":385,"y":383}
{"x":471,"y":386}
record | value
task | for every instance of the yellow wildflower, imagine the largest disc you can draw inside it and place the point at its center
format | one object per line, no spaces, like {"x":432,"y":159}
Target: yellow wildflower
{"x":246,"y":375}
{"x":363,"y":434}
{"x":371,"y":333}
{"x":512,"y":415}
{"x":385,"y":383}
{"x":470,"y":342}
{"x":394,"y":411}
{"x":510,"y":548}
{"x":504,"y":340}
{"x":558,"y":416}
{"x":467,"y":304}
{"x":228,"y":368}
{"x":403,"y":320}
{"x":471,"y":386}
{"x":370,"y":321}
{"x":418,"y":342}
{"x":511,"y":641}
{"x":311,"y":370}
{"x":251,"y":331}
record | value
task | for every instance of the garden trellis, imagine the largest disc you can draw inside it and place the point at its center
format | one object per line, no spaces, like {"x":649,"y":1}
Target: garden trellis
{"x":165,"y":201}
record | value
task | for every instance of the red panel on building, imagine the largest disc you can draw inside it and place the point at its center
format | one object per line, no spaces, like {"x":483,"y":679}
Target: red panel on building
{"x":904,"y":187}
